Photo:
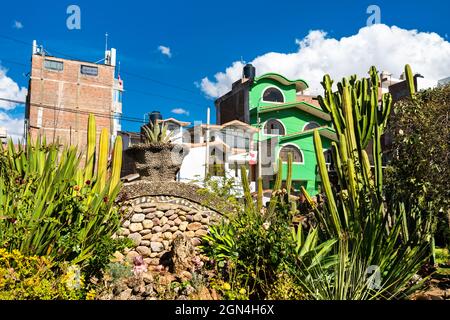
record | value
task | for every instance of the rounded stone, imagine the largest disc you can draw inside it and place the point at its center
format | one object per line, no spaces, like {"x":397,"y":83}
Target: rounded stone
{"x":171,"y":223}
{"x":201,"y":233}
{"x":166,"y":244}
{"x":145,"y":243}
{"x":136,"y":237}
{"x":167,"y":235}
{"x":190,"y":218}
{"x":176,"y":233}
{"x":164,"y":220}
{"x":150,"y":216}
{"x":144,"y":251}
{"x":190,"y":234}
{"x":138,"y":217}
{"x":196,"y":241}
{"x":198,"y":217}
{"x":165,"y":228}
{"x":173,"y":229}
{"x":134,"y":227}
{"x":173,"y":217}
{"x":181,"y":213}
{"x":126,"y":224}
{"x":154,"y":261}
{"x":123,"y":232}
{"x":131,"y":255}
{"x":169,"y":213}
{"x":148,"y":224}
{"x":145,"y":232}
{"x":137,"y":209}
{"x":159,"y":214}
{"x":149,"y":210}
{"x":156,"y":229}
{"x":177,"y":221}
{"x":153,"y":255}
{"x":157,"y":246}
{"x":148,"y":236}
{"x":155,"y":221}
{"x":182,"y":218}
{"x":183,"y":226}
{"x":194,"y":226}
{"x":205,"y":221}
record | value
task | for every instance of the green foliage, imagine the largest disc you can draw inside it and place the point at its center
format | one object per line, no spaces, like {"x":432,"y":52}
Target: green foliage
{"x":48,"y":209}
{"x":419,"y":172}
{"x":36,"y":278}
{"x":222,"y":189}
{"x":156,"y":134}
{"x":393,"y":239}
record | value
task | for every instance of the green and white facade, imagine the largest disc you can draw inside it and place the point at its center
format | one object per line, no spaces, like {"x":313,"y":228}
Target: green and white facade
{"x":286,"y":119}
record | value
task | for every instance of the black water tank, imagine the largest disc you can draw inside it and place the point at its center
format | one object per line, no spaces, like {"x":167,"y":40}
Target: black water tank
{"x":249,"y":71}
{"x":155,"y":116}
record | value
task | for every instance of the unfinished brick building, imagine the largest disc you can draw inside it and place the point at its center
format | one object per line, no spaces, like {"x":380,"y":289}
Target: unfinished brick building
{"x":62,"y":93}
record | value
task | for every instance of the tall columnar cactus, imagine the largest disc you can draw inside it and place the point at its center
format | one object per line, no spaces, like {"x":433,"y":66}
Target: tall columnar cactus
{"x":116,"y":165}
{"x":90,"y":153}
{"x":103,"y":159}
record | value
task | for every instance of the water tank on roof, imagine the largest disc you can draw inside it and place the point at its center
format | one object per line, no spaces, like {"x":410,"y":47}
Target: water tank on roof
{"x":249,"y":71}
{"x":155,"y":116}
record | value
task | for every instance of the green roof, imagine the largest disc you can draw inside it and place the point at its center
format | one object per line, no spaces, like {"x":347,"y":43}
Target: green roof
{"x":300,"y":84}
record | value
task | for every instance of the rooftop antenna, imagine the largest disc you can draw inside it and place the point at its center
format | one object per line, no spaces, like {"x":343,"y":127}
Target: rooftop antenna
{"x":106,"y":41}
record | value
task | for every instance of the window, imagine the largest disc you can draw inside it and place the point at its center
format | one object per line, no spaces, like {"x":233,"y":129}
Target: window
{"x":273,"y":94}
{"x":53,"y":65}
{"x":88,"y":70}
{"x":311,"y":125}
{"x":274,"y":127}
{"x":296,"y":154}
{"x":118,"y":96}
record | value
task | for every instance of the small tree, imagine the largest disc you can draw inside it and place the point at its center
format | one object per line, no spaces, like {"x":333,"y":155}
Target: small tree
{"x":419,"y":173}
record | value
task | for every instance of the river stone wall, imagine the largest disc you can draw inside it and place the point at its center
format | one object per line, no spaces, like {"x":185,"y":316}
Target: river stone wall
{"x":152,"y":222}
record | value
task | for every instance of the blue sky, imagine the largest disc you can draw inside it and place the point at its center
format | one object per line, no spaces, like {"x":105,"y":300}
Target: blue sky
{"x":204,"y":37}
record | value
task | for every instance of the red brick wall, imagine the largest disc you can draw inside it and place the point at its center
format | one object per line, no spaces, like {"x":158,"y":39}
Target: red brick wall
{"x":74,"y":95}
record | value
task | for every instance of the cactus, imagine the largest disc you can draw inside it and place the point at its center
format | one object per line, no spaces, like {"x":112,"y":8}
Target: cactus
{"x":410,"y":81}
{"x":260,"y":194}
{"x":116,"y":165}
{"x":90,"y":154}
{"x":103,"y":159}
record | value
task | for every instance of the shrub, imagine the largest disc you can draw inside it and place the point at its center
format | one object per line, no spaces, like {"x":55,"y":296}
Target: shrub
{"x":37,"y":278}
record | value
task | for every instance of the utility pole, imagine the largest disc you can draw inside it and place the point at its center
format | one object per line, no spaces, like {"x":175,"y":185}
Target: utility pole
{"x":208,"y":116}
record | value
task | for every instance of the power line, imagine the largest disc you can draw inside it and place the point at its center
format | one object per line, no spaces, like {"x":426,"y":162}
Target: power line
{"x":83,"y":112}
{"x":124,"y":72}
{"x":147,"y":93}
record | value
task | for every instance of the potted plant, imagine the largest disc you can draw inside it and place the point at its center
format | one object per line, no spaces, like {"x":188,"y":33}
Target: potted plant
{"x":157,"y":158}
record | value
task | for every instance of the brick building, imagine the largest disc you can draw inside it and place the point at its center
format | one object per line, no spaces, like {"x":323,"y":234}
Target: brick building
{"x":62,"y":93}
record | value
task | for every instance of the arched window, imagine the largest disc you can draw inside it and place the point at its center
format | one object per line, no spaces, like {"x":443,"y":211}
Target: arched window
{"x":311,"y":125}
{"x":297,"y":155}
{"x":274,"y":127}
{"x":273,"y":94}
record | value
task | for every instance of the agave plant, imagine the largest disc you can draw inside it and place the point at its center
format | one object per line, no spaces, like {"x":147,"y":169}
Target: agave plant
{"x":157,"y":134}
{"x":53,"y":205}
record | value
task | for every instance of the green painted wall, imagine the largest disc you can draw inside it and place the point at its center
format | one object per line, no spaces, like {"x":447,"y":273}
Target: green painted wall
{"x":255,"y":96}
{"x":293,"y":120}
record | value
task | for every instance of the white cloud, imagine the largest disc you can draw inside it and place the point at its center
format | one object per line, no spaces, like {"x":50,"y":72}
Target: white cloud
{"x":388,"y":48}
{"x":180,"y":111}
{"x":14,"y":126}
{"x":165,"y":51}
{"x":17,"y":25}
{"x":9,"y":89}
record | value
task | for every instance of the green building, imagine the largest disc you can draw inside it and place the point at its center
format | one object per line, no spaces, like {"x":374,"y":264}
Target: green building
{"x":286,"y":118}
